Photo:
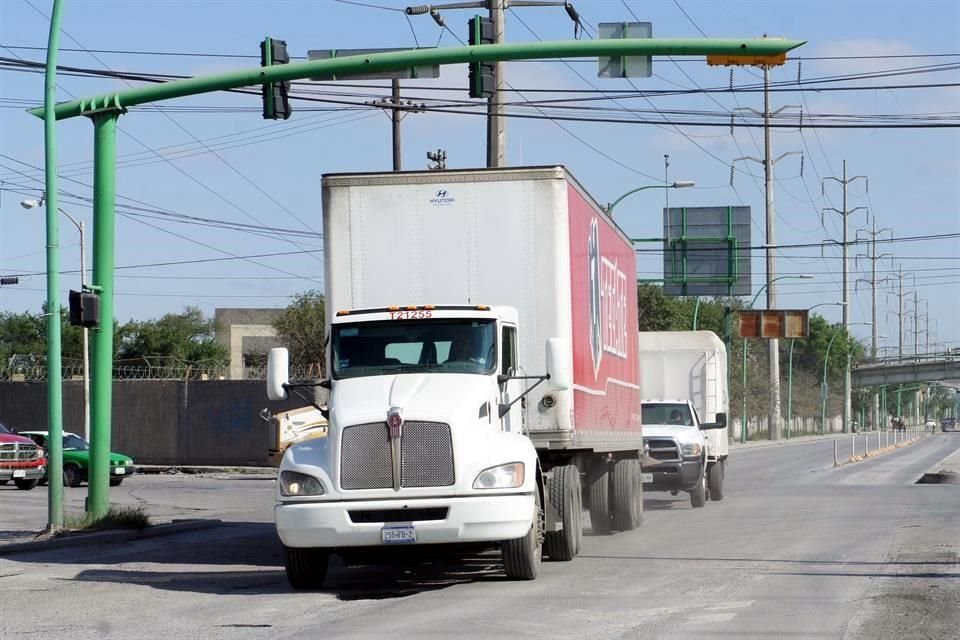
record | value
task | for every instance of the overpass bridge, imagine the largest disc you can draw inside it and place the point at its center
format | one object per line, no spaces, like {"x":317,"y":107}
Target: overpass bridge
{"x":944,"y":368}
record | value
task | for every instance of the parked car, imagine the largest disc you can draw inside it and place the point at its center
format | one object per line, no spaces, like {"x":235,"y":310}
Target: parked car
{"x":76,"y":459}
{"x":21,"y":460}
{"x":948,"y":424}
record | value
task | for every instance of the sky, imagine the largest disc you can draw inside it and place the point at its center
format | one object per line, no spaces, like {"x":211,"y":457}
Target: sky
{"x":213,"y":157}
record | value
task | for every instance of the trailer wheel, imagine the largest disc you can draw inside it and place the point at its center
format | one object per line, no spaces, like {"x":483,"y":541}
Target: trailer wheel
{"x":715,"y":480}
{"x":698,"y":495}
{"x":306,"y":567}
{"x":600,"y":499}
{"x":522,"y":556}
{"x":627,"y":495}
{"x":564,"y":495}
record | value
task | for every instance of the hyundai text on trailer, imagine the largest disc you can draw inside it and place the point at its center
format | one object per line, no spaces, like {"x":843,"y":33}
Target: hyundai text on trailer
{"x":483,"y":376}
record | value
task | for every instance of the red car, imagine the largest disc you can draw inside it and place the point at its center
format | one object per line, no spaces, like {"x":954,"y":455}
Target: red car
{"x":21,"y":460}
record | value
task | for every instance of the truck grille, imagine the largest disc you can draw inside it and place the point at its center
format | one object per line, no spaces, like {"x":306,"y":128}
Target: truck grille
{"x":426,"y":456}
{"x":663,"y":449}
{"x":16,"y":452}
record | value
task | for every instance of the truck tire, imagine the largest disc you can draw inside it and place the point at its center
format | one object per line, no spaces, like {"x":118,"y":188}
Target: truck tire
{"x":522,"y":556}
{"x":306,"y":567}
{"x":698,"y":495}
{"x":599,"y":481}
{"x":25,"y":484}
{"x":563,"y":491}
{"x":627,"y":495}
{"x":715,"y":480}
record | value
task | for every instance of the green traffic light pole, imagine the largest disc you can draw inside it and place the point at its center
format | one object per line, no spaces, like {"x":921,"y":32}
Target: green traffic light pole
{"x":54,"y":369}
{"x":743,"y":391}
{"x":106,"y":108}
{"x":790,"y":368}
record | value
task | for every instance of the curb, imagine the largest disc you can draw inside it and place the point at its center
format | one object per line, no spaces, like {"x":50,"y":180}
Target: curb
{"x":163,"y":469}
{"x":107,"y":537}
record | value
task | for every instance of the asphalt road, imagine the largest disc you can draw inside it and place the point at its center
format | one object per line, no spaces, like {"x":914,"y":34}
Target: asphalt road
{"x":797,"y":549}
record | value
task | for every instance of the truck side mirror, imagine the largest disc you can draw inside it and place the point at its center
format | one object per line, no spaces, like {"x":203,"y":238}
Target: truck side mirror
{"x":278,"y":372}
{"x":721,"y":422}
{"x":558,"y":368}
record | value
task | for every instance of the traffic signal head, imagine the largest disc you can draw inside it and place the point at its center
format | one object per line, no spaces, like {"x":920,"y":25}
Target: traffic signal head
{"x":276,"y":101}
{"x":481,"y":74}
{"x":84,"y":309}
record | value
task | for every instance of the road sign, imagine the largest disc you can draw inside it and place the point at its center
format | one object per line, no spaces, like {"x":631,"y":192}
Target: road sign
{"x":625,"y":66}
{"x":774,"y":323}
{"x":706,"y":251}
{"x":428,"y":71}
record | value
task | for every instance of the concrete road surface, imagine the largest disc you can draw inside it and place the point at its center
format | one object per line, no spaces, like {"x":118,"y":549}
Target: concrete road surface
{"x":797,"y":549}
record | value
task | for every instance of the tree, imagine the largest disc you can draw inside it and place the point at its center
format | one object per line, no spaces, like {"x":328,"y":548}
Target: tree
{"x":302,"y":328}
{"x":187,"y":336}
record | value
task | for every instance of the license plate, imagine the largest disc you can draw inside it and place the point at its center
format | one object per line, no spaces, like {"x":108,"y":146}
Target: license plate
{"x":19,"y":473}
{"x":119,"y":471}
{"x":398,"y":534}
{"x":646,"y":477}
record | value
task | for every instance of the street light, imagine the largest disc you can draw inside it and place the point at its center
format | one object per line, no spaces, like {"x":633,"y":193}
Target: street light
{"x":823,"y":385}
{"x":679,"y":184}
{"x":743,"y":411}
{"x":790,"y":367}
{"x":33,"y":204}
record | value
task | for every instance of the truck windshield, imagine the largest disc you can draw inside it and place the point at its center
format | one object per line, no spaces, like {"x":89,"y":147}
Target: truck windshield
{"x":405,"y":346}
{"x":666,"y":413}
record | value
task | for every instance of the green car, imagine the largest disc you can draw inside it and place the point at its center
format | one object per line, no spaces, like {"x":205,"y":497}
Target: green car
{"x":76,"y":459}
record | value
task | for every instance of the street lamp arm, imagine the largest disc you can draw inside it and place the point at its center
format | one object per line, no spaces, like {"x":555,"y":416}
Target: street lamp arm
{"x":679,"y":184}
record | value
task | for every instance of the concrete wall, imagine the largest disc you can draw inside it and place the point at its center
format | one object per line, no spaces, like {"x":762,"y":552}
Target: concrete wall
{"x":162,"y":421}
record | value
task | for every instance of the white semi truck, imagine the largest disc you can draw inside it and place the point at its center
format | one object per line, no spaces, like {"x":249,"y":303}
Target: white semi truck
{"x":685,"y":408}
{"x":482,"y":372}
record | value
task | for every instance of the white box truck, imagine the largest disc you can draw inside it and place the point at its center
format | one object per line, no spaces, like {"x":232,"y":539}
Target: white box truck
{"x":685,"y":407}
{"x":482,"y":372}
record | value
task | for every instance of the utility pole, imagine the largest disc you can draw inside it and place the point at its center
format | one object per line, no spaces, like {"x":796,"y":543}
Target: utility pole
{"x":496,"y":121}
{"x":397,"y":108}
{"x":873,"y":282}
{"x":773,"y":346}
{"x":845,"y":213}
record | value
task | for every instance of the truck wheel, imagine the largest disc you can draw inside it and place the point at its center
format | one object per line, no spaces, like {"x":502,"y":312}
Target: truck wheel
{"x":522,"y":556}
{"x":307,"y":567}
{"x":600,"y":500}
{"x":564,"y":495}
{"x":715,"y":480}
{"x":25,"y":484}
{"x":627,"y":495}
{"x":71,"y":475}
{"x":698,"y":495}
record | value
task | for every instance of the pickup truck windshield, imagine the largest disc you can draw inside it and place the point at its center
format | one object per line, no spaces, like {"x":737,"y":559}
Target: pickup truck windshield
{"x":408,"y":346}
{"x":666,"y":413}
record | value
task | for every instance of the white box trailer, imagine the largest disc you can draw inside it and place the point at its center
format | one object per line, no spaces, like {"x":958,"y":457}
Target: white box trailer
{"x":692,"y":366}
{"x":545,"y":280}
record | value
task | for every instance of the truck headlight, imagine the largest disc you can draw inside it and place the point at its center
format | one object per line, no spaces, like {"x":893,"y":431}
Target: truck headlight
{"x":299,"y":484}
{"x":691,"y":449}
{"x":504,"y":476}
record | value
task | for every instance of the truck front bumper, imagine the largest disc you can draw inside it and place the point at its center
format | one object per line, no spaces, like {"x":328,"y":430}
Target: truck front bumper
{"x":675,"y":476}
{"x":445,"y":520}
{"x":22,"y":472}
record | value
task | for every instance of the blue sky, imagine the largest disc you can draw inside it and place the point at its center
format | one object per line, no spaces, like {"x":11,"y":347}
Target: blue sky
{"x":268,"y":173}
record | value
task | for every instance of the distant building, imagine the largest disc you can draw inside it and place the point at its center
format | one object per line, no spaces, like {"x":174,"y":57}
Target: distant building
{"x":248,"y":335}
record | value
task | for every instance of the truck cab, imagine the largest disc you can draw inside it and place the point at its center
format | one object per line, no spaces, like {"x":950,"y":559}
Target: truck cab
{"x":674,"y":436}
{"x":425,"y":440}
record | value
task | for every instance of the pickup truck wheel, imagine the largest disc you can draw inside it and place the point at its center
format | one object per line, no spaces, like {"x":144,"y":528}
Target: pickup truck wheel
{"x":627,"y":495}
{"x":600,"y":500}
{"x":698,"y":495}
{"x":522,"y":556}
{"x":71,"y":475}
{"x":25,"y":484}
{"x":564,"y":495}
{"x":715,"y":480}
{"x":306,"y":567}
